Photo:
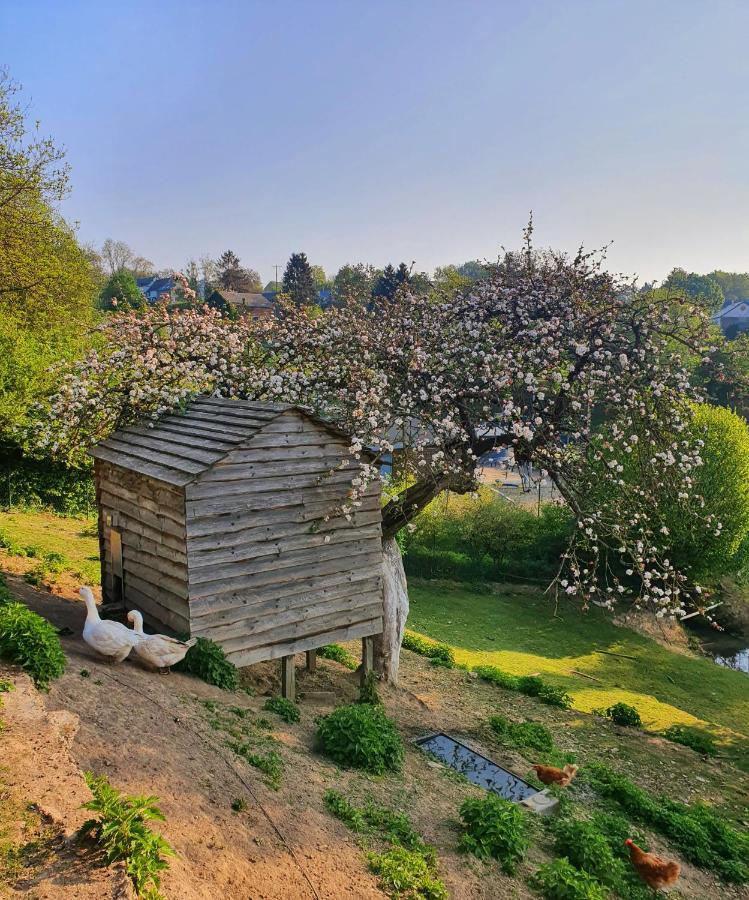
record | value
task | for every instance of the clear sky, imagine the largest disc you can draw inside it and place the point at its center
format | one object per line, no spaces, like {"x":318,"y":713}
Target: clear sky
{"x":384,"y":131}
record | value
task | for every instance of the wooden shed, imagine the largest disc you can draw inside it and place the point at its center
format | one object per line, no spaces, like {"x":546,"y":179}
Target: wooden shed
{"x":212,"y":523}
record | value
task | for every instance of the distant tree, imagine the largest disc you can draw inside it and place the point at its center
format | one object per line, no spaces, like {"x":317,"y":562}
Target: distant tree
{"x":208,"y":275}
{"x":735,"y":285}
{"x":140,"y":267}
{"x":319,"y":277}
{"x":402,"y":274}
{"x":298,"y":280}
{"x":353,"y":283}
{"x":474,"y":269}
{"x":118,"y":256}
{"x":386,"y":285}
{"x":272,"y":287}
{"x":705,"y":289}
{"x":121,"y":293}
{"x":234,"y":277}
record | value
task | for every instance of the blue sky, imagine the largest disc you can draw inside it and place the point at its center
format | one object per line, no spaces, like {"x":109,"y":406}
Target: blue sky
{"x":379,"y":131}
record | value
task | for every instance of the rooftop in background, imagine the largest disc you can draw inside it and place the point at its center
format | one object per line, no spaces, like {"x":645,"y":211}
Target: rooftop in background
{"x":154,"y":286}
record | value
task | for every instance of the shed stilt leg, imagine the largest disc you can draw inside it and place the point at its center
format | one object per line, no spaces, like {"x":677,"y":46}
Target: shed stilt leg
{"x":367,"y":658}
{"x":311,"y":660}
{"x":288,"y":678}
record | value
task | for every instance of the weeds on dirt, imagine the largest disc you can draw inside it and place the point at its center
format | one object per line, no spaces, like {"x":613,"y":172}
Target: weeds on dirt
{"x":121,"y":833}
{"x":699,"y":833}
{"x":497,"y":828}
{"x":339,"y":654}
{"x":31,"y":642}
{"x":268,"y":762}
{"x":368,"y":690}
{"x":530,"y":736}
{"x":284,"y":708}
{"x":531,"y":685}
{"x":560,"y":880}
{"x":409,"y":867}
{"x":239,"y":804}
{"x":440,"y":654}
{"x":206,"y":660}
{"x":49,"y":562}
{"x":361,"y":736}
{"x":695,"y":738}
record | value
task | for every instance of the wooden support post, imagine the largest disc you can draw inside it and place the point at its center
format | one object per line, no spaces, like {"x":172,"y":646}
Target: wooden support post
{"x":288,"y":678}
{"x":367,"y":658}
{"x":311,"y":660}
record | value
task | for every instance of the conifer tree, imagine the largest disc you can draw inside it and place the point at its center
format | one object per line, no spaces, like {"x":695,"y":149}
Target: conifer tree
{"x":299,"y":281}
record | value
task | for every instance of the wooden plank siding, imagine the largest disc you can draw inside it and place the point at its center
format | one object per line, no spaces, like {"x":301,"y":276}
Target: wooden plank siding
{"x":230,"y":520}
{"x":266,"y":571}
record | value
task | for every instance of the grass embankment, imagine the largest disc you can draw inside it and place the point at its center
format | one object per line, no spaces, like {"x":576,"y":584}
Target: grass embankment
{"x":74,"y":539}
{"x":520,"y":634}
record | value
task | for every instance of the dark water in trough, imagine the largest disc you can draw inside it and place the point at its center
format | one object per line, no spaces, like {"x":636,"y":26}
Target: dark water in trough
{"x":476,"y":768}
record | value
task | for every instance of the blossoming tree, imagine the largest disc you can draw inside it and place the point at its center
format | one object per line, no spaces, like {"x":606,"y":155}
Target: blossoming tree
{"x":571,"y":367}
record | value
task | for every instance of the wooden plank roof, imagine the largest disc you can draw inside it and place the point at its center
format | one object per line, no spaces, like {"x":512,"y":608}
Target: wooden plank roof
{"x":180,"y":446}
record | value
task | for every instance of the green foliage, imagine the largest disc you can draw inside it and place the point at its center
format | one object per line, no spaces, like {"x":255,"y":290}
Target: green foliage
{"x":696,"y":830}
{"x":560,"y":880}
{"x":407,"y":874}
{"x":531,"y":685}
{"x":368,"y":690}
{"x":362,"y":737}
{"x":238,"y":804}
{"x":486,"y":538}
{"x":524,"y":735}
{"x":735,"y":285}
{"x":206,"y":660}
{"x":343,"y":809}
{"x":699,"y":740}
{"x":269,"y":762}
{"x":27,"y":483}
{"x":121,"y":832}
{"x":440,"y":654}
{"x":373,"y":818}
{"x":496,"y":828}
{"x":623,"y":714}
{"x":705,"y":289}
{"x":298,"y":280}
{"x":122,"y":293}
{"x":31,"y":642}
{"x":283,"y":707}
{"x":339,"y":654}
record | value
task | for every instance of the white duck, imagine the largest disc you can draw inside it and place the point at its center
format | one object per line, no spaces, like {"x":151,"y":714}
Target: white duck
{"x":111,"y":639}
{"x":158,"y":650}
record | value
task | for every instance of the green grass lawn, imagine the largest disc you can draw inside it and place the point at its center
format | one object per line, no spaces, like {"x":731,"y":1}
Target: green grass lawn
{"x":520,"y":634}
{"x":75,"y":539}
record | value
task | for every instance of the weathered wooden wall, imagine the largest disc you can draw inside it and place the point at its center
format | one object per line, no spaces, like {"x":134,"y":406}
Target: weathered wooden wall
{"x":150,"y":518}
{"x":267,"y":577}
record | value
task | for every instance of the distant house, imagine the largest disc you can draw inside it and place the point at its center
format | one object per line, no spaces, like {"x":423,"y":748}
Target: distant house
{"x":733,"y":317}
{"x":259,"y":306}
{"x":156,"y":287}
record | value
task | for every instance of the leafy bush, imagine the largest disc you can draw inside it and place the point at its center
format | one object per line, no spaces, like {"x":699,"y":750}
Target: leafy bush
{"x":531,"y":685}
{"x":343,"y":809}
{"x":407,"y":873}
{"x":560,"y":880}
{"x":485,"y":538}
{"x":700,"y":741}
{"x":339,"y":654}
{"x":269,"y":763}
{"x":496,"y":828}
{"x":31,"y":642}
{"x":530,"y":735}
{"x":434,"y":650}
{"x":362,"y":737}
{"x":206,"y":660}
{"x":283,"y":707}
{"x":120,"y":830}
{"x":624,"y":714}
{"x":697,"y":831}
{"x":28,"y":483}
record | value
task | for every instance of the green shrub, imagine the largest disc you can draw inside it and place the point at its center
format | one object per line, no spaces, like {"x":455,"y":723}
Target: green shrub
{"x":496,"y":676}
{"x":434,"y":650}
{"x":496,"y":828}
{"x":121,"y":832}
{"x":530,"y":735}
{"x":269,"y":763}
{"x":343,"y":809}
{"x":554,"y":696}
{"x":700,"y":741}
{"x":284,"y":708}
{"x":28,"y":483}
{"x":362,"y":737}
{"x":31,"y":642}
{"x":407,"y":873}
{"x":531,"y":685}
{"x":624,"y":714}
{"x":339,"y":654}
{"x":560,"y":880}
{"x":206,"y":660}
{"x":389,"y":825}
{"x":697,"y":831}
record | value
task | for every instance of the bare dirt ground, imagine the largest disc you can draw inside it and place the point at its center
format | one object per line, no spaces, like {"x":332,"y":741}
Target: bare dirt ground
{"x":152,"y":734}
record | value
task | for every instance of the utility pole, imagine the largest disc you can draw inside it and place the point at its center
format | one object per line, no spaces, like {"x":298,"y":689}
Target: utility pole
{"x":276,"y":268}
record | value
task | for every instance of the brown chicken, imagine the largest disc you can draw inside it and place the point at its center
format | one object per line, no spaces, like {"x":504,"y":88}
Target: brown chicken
{"x":656,"y":872}
{"x":552,"y":775}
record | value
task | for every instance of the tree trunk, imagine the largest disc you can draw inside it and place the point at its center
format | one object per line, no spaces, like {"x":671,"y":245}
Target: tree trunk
{"x":387,"y":646}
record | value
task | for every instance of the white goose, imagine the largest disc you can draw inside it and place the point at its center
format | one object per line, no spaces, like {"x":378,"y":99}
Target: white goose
{"x":111,"y":639}
{"x":158,"y":650}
